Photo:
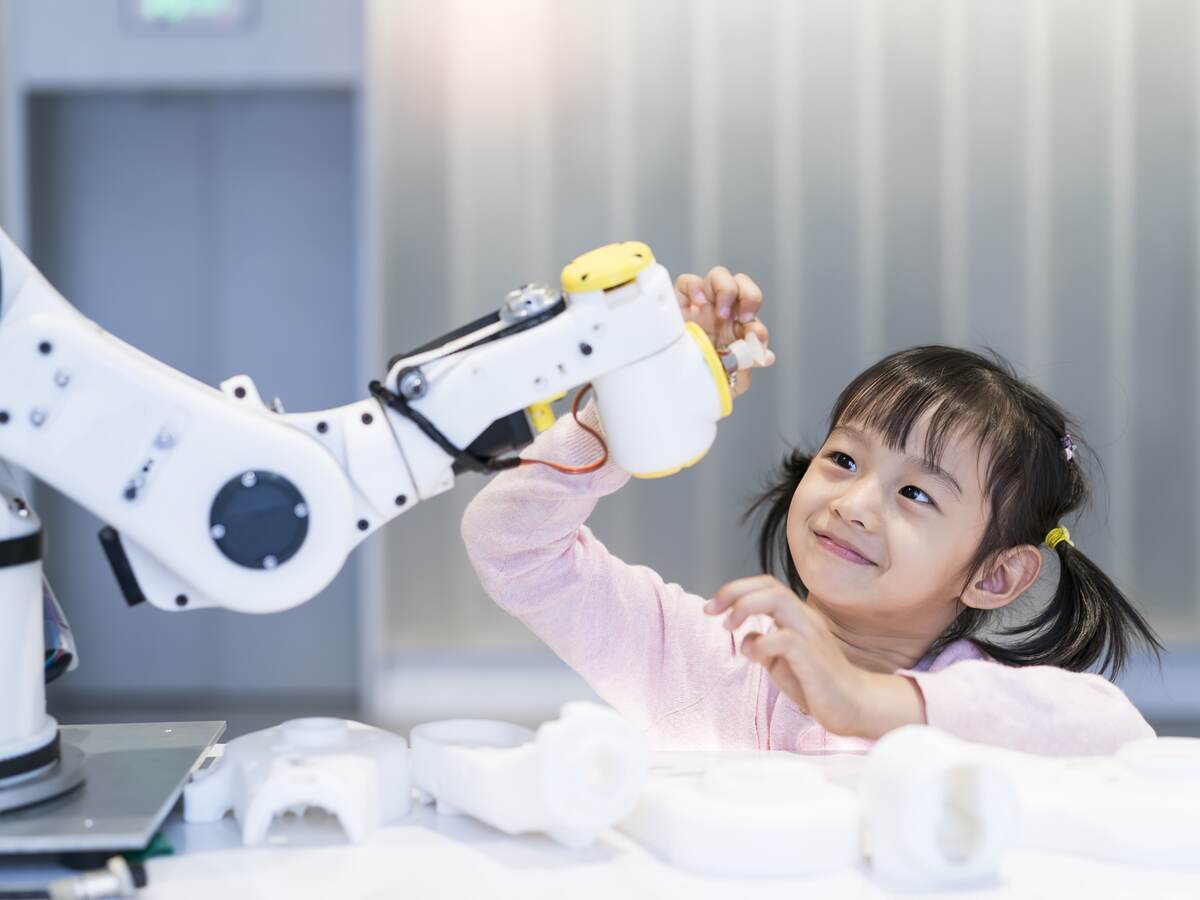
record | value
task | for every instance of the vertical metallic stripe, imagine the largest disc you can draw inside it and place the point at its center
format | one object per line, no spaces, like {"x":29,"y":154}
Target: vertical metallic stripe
{"x":537,"y":144}
{"x":460,"y":206}
{"x":1120,"y":277}
{"x":870,"y":180}
{"x":785,"y":311}
{"x":954,"y":171}
{"x":706,"y":199}
{"x":1037,"y":188}
{"x":1195,"y":621}
{"x":622,"y":165}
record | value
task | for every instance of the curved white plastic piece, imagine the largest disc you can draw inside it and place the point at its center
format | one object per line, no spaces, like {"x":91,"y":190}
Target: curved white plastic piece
{"x":770,"y":818}
{"x":1137,"y":807}
{"x":937,"y":811}
{"x":749,"y":352}
{"x":571,"y":779}
{"x":358,"y":773}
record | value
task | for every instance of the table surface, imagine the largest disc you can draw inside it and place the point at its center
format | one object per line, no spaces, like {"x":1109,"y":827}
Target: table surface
{"x":428,"y":855}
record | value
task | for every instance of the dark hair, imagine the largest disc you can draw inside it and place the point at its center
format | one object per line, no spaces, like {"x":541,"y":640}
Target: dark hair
{"x":1030,"y":484}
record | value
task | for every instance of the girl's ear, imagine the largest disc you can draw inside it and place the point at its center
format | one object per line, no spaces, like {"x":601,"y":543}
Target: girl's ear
{"x":1004,"y":578}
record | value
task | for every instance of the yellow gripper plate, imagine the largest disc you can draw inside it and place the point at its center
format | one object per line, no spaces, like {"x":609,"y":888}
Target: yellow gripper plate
{"x":606,"y":267}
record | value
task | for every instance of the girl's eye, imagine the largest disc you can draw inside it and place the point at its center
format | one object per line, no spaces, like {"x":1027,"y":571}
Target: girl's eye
{"x":914,"y":493}
{"x":843,"y":461}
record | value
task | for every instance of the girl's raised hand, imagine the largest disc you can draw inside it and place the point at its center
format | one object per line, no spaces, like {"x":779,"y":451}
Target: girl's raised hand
{"x":726,"y":306}
{"x":806,"y":662}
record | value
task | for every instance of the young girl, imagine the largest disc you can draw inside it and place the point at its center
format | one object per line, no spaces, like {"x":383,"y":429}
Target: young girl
{"x":935,"y":501}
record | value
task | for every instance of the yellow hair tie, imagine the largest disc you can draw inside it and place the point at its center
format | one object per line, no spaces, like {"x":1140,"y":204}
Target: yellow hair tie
{"x":1057,"y":536}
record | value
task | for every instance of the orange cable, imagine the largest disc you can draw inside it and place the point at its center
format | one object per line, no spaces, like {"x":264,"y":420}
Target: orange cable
{"x":576,"y":470}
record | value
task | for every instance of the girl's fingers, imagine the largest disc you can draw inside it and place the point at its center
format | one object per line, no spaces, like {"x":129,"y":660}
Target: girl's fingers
{"x":775,"y":601}
{"x":744,"y":377}
{"x":749,"y":297}
{"x":730,"y":592}
{"x":724,"y":291}
{"x":689,"y":290}
{"x":762,"y":648}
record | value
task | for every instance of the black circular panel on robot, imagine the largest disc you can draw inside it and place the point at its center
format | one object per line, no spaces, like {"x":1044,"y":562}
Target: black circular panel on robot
{"x":259,"y":520}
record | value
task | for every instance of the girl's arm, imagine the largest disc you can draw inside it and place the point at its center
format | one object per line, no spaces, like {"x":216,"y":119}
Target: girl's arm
{"x":1038,"y":709}
{"x":643,"y":645}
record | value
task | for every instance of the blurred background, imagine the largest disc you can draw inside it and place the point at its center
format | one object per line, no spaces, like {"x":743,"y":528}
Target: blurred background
{"x":296,"y":189}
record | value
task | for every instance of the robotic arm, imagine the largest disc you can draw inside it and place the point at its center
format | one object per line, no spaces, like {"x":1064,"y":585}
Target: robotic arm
{"x":216,"y":499}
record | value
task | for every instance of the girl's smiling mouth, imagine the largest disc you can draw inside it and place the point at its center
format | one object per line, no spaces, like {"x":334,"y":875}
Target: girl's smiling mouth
{"x":839,"y":549}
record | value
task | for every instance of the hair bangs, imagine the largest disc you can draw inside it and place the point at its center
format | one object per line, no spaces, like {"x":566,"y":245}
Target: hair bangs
{"x":893,"y":401}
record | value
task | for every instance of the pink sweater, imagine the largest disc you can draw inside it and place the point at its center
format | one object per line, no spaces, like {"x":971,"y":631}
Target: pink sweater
{"x":646,"y":647}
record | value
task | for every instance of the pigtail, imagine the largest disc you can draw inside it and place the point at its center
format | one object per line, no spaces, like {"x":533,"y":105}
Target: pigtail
{"x":774,"y":555}
{"x":1088,"y":621}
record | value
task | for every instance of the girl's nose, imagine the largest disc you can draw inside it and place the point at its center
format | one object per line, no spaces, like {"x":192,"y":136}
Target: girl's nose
{"x":858,"y":505}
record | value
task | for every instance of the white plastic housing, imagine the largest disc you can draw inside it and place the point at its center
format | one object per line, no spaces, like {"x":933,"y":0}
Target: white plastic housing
{"x":937,"y":812}
{"x":358,"y":773}
{"x":771,"y":818}
{"x":24,"y":725}
{"x":658,"y":400}
{"x":660,"y":413}
{"x":1138,"y":807}
{"x":571,"y":779}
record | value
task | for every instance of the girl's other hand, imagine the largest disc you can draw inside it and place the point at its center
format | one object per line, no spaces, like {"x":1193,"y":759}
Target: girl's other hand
{"x":726,"y":306}
{"x":806,"y":662}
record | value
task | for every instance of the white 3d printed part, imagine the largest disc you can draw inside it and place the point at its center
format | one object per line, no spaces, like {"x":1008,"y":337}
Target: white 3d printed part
{"x":1138,"y":807}
{"x":356,"y":772}
{"x":770,"y":818}
{"x":571,"y":779}
{"x":937,"y":811}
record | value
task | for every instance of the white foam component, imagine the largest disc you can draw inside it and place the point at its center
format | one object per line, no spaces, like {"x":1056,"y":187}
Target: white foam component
{"x":758,"y":818}
{"x":572,"y":778}
{"x":937,"y":812}
{"x":358,"y":773}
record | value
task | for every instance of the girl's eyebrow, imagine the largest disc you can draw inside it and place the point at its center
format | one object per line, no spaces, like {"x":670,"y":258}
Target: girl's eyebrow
{"x":929,"y":467}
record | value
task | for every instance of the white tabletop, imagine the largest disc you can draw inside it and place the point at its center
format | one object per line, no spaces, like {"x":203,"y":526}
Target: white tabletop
{"x":430,"y":856}
{"x":427,"y":855}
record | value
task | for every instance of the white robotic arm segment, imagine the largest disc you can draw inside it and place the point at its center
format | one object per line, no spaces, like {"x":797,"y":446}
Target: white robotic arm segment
{"x":659,"y":384}
{"x":213,"y":498}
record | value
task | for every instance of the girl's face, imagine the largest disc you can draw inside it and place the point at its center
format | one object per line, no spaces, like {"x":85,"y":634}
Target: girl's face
{"x":878,"y":535}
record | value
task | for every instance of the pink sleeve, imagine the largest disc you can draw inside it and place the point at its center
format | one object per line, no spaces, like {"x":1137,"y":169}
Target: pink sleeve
{"x":643,"y":645}
{"x":1038,"y":709}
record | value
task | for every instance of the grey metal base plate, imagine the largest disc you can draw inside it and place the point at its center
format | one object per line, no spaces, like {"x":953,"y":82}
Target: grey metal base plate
{"x":133,"y":774}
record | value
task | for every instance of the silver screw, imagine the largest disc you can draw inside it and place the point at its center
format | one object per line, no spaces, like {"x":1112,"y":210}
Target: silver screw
{"x":217,"y":532}
{"x":37,"y":418}
{"x":301,"y":511}
{"x":270,"y":562}
{"x":413,"y":385}
{"x":88,"y":823}
{"x":62,"y":378}
{"x":249,"y":480}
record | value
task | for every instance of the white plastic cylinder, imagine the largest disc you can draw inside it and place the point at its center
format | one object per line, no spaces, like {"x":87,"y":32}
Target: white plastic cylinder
{"x":661,"y":414}
{"x":24,"y":725}
{"x":935,"y":813}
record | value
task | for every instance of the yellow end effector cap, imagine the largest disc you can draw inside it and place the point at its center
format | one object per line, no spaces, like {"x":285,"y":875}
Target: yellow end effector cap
{"x":606,"y":267}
